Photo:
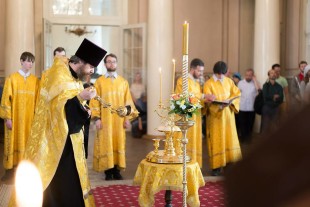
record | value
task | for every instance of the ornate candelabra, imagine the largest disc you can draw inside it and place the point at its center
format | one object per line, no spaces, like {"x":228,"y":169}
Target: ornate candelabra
{"x":183,"y":105}
{"x":170,"y":153}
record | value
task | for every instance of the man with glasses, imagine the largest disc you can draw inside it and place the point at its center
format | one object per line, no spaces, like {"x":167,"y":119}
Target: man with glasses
{"x":109,"y":146}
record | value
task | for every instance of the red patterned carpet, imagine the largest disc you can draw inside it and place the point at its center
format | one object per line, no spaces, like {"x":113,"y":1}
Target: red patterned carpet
{"x":211,"y":195}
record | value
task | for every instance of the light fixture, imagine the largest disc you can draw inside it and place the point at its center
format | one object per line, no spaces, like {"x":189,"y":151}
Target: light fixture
{"x":77,"y":30}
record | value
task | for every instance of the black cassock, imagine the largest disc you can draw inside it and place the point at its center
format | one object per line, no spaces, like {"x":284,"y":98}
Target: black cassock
{"x":65,"y":188}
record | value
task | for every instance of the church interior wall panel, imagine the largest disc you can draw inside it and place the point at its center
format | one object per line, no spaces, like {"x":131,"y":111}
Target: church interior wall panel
{"x":38,"y":32}
{"x":2,"y":37}
{"x":205,"y":34}
{"x":292,"y":56}
{"x":233,"y":30}
{"x":304,"y":22}
{"x":133,"y":11}
{"x":246,"y":35}
{"x":137,"y":11}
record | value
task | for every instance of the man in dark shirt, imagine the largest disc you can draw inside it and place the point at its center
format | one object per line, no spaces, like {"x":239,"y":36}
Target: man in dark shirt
{"x":273,"y":98}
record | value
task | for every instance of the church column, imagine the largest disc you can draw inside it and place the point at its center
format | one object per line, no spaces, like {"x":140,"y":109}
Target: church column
{"x":19,"y":30}
{"x":160,"y":49}
{"x":266,"y":39}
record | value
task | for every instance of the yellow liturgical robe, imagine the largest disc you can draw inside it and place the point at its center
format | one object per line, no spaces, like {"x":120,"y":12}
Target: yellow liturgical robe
{"x":109,"y":146}
{"x":49,"y":131}
{"x":18,"y":104}
{"x":194,"y":133}
{"x":222,"y":138}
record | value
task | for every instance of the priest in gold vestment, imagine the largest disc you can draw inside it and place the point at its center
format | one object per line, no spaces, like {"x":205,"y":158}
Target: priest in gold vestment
{"x":17,"y":109}
{"x":55,"y":144}
{"x":110,"y":140}
{"x":194,"y":133}
{"x":222,"y":138}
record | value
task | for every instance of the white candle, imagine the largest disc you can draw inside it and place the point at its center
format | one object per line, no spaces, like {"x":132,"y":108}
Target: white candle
{"x":173,"y":74}
{"x":28,"y":185}
{"x":160,"y":86}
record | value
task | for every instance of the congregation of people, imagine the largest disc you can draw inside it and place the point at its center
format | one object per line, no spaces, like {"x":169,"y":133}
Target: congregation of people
{"x":53,"y":130}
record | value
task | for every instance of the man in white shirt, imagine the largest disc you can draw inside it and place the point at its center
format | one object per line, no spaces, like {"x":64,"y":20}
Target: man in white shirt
{"x":248,"y":87}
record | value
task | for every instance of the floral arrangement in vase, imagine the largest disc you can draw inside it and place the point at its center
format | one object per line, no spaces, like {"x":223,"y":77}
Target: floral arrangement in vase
{"x":184,"y":104}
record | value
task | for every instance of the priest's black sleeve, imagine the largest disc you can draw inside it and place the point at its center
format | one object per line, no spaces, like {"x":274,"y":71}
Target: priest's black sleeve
{"x":76,"y":115}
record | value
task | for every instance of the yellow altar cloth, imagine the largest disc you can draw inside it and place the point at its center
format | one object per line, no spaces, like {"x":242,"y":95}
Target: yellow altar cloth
{"x":154,"y":177}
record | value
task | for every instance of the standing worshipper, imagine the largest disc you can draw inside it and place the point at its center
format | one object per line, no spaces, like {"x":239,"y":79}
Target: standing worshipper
{"x":55,"y":145}
{"x":249,"y":87}
{"x":222,"y":138}
{"x":305,"y":86}
{"x":109,"y":146}
{"x":296,"y":87}
{"x":17,"y":109}
{"x":236,"y":78}
{"x":273,"y":98}
{"x":137,"y":88}
{"x":286,"y":98}
{"x":194,"y":133}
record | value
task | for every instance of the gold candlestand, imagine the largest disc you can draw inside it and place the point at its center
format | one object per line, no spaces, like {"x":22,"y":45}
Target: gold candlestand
{"x":184,"y":124}
{"x":170,"y":153}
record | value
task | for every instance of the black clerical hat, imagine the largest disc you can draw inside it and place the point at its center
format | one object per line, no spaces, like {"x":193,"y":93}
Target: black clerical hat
{"x":90,"y":53}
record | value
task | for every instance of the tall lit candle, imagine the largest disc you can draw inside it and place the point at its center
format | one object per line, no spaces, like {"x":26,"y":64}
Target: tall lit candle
{"x":160,"y":86}
{"x":185,"y":38}
{"x":173,"y":74}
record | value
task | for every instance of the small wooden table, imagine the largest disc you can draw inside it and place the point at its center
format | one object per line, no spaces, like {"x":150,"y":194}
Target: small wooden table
{"x":154,"y":177}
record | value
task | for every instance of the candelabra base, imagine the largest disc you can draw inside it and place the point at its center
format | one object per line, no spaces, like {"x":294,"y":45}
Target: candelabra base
{"x":161,"y":157}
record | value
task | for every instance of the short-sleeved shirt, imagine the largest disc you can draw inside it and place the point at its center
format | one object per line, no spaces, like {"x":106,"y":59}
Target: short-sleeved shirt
{"x":248,"y":94}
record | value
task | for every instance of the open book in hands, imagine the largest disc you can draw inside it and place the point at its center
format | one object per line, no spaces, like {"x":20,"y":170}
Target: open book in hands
{"x":225,"y":102}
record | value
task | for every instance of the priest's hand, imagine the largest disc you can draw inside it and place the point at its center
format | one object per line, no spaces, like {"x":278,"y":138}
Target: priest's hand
{"x":209,"y":98}
{"x":88,"y":94}
{"x":8,"y":123}
{"x":98,"y":124}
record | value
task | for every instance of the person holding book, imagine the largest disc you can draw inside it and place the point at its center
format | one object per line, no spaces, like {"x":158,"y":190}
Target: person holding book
{"x":222,"y":138}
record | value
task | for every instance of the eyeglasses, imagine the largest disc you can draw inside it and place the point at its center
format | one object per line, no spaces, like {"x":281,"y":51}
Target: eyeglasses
{"x":111,"y":62}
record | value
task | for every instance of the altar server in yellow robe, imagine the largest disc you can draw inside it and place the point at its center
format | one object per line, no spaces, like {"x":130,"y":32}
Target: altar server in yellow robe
{"x":222,"y":138}
{"x":17,"y":109}
{"x":109,"y":146}
{"x":194,"y":133}
{"x":55,"y":143}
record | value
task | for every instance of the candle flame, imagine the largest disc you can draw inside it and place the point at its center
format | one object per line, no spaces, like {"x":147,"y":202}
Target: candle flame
{"x":159,"y":70}
{"x":28,"y":185}
{"x":173,"y":60}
